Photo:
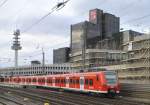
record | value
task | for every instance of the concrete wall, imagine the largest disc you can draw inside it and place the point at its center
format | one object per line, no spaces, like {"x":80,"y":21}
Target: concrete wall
{"x":61,"y":55}
{"x":111,"y":25}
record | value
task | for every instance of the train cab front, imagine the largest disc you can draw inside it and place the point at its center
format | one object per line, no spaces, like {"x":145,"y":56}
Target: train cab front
{"x":111,"y":81}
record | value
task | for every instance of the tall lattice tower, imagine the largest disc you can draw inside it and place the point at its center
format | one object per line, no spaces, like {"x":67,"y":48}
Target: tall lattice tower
{"x":16,"y":45}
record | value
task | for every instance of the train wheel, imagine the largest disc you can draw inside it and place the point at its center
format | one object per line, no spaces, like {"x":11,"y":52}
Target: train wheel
{"x":90,"y":94}
{"x":24,"y":87}
{"x":111,"y":94}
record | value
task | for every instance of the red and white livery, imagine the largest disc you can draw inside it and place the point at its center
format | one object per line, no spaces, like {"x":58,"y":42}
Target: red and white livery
{"x":105,"y":82}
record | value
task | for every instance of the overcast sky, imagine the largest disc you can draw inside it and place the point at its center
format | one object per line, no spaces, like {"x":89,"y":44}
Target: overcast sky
{"x":54,"y":31}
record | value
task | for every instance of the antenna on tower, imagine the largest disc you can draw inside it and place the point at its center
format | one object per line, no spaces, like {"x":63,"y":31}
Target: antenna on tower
{"x":16,"y":45}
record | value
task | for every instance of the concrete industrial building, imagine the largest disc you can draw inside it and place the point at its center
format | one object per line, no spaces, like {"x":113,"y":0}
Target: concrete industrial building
{"x":110,"y":25}
{"x":135,"y":65}
{"x":109,"y":51}
{"x":61,"y":55}
{"x":97,"y":58}
{"x":117,"y":40}
{"x":137,"y":59}
{"x":87,"y":34}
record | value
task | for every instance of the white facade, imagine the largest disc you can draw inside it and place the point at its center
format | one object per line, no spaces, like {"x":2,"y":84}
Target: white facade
{"x":37,"y":70}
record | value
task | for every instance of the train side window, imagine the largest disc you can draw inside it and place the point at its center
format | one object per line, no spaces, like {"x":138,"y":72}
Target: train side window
{"x":43,"y":80}
{"x":86,"y":81}
{"x":62,"y":81}
{"x":58,"y":80}
{"x":39,"y":80}
{"x":77,"y":81}
{"x":70,"y":81}
{"x":29,"y":79}
{"x":34,"y":80}
{"x":91,"y":82}
{"x":97,"y":78}
{"x":73,"y":81}
{"x":19,"y":80}
{"x":23,"y":80}
{"x":49,"y":81}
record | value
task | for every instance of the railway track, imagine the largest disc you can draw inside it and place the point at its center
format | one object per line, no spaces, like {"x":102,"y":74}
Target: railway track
{"x":37,"y":97}
{"x":8,"y":101}
{"x":8,"y":98}
{"x":2,"y":103}
{"x":64,"y":98}
{"x":136,"y":90}
{"x":90,"y":100}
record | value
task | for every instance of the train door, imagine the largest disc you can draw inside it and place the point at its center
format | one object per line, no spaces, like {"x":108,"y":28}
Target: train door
{"x":81,"y":83}
{"x":53,"y":80}
{"x":67,"y":82}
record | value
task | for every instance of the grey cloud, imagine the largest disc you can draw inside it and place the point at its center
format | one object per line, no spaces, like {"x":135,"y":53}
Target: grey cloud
{"x":32,"y":10}
{"x":61,"y":24}
{"x":56,"y":25}
{"x":126,"y":9}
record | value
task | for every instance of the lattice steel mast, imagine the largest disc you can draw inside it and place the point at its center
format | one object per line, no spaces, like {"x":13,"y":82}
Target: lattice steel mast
{"x":16,"y":45}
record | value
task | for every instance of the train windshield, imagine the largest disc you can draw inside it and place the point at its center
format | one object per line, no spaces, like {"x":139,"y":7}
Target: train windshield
{"x":111,"y":77}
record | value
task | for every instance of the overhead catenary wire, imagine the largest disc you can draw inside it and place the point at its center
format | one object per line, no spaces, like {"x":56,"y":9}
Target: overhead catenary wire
{"x":40,"y":21}
{"x":3,"y":3}
{"x":45,"y":49}
{"x":136,"y":19}
{"x":52,"y":10}
{"x":129,"y":6}
{"x":18,"y":13}
{"x":55,"y":8}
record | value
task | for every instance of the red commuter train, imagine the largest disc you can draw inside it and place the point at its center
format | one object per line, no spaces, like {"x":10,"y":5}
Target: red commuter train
{"x":105,"y":82}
